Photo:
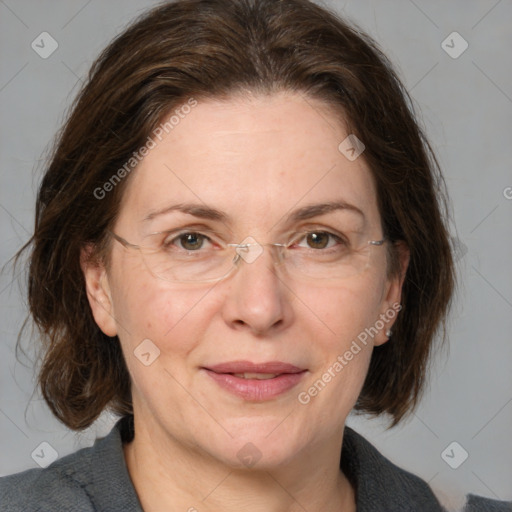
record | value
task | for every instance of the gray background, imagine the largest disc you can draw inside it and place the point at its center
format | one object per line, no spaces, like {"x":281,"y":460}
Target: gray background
{"x":466,"y":107}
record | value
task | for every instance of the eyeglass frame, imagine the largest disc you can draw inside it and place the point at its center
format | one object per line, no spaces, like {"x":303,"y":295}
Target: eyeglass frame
{"x":242,"y":245}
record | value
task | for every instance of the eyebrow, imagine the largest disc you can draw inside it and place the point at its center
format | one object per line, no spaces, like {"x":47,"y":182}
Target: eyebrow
{"x":197,"y":210}
{"x":315,"y":210}
{"x":304,"y":213}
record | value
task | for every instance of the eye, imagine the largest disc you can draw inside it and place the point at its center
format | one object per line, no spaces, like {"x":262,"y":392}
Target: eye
{"x":320,"y":240}
{"x":189,"y":241}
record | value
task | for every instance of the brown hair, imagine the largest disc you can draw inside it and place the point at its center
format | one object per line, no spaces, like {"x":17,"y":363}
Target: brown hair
{"x":214,"y":49}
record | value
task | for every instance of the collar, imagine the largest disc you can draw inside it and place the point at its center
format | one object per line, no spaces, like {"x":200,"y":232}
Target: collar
{"x":381,"y":485}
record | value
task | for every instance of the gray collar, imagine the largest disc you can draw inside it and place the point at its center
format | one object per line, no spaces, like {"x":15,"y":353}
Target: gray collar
{"x":381,"y":485}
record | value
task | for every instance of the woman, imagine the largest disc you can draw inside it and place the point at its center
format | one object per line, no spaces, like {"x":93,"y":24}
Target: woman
{"x":238,"y":241}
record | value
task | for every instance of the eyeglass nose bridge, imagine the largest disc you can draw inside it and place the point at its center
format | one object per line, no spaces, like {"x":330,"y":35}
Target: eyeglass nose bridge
{"x":250,"y":250}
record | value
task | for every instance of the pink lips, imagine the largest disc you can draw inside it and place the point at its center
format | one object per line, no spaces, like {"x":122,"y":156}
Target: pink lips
{"x":288,"y":376}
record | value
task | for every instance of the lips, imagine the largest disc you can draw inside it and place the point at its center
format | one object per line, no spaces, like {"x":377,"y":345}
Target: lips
{"x":276,"y":367}
{"x":256,"y":381}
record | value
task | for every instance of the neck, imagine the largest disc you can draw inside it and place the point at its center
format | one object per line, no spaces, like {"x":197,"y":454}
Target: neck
{"x":172,"y":477}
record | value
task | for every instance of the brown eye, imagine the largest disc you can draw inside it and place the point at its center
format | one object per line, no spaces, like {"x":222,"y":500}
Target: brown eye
{"x":318,"y":240}
{"x":191,"y":241}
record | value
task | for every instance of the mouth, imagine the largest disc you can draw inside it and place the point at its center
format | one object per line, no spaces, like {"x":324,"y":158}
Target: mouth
{"x":255,"y":382}
{"x":257,"y":376}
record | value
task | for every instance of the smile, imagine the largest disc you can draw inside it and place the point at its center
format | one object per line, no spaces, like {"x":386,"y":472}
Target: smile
{"x":256,"y":382}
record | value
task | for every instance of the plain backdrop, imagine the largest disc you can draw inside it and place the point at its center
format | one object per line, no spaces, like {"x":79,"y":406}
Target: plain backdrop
{"x":464,"y":99}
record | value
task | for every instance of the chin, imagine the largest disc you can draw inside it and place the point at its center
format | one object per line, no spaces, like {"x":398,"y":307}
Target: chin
{"x":260,"y":444}
{"x":249,"y":456}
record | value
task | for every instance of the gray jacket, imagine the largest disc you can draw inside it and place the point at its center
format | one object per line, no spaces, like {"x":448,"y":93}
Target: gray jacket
{"x":96,"y":479}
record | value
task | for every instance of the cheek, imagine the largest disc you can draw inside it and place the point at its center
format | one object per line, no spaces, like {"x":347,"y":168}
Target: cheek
{"x":148,"y":308}
{"x":345,"y":311}
{"x":163,"y":326}
{"x":343,"y":354}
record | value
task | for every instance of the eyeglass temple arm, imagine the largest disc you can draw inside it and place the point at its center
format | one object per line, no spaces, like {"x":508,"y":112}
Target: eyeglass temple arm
{"x":121,"y":240}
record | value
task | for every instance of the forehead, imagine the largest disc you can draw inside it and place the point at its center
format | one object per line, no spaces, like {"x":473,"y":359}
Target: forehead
{"x":252,"y":157}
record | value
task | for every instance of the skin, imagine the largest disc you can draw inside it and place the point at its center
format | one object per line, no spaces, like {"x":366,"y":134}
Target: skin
{"x":256,"y":158}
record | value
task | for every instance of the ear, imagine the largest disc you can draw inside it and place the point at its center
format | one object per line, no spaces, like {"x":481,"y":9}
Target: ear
{"x":98,"y":292}
{"x":393,"y":294}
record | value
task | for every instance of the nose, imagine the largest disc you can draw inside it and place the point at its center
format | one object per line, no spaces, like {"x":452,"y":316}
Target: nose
{"x":257,"y":299}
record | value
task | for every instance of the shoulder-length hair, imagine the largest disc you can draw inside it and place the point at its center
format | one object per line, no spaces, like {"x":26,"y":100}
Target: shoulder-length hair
{"x":213,"y":49}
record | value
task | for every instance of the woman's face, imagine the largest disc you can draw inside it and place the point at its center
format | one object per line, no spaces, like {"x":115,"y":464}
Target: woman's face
{"x":257,"y":162}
